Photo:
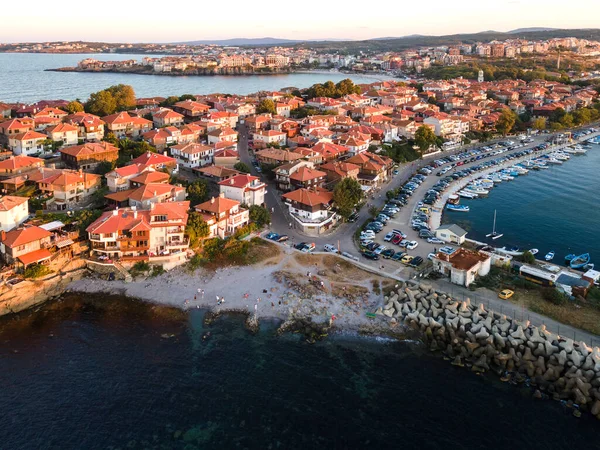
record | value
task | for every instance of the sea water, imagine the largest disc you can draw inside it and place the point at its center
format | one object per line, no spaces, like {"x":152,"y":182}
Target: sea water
{"x":551,"y":209}
{"x":94,"y":373}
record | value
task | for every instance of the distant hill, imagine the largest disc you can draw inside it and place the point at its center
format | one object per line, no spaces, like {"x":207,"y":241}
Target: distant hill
{"x":248,"y":42}
{"x":530,"y":30}
{"x":403,"y":43}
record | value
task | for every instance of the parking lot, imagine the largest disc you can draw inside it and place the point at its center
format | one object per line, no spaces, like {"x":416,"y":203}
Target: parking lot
{"x":415,"y":205}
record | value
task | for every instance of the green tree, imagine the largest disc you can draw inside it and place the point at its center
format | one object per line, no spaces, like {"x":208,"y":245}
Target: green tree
{"x":108,"y":101}
{"x":506,"y":121}
{"x":74,"y":107}
{"x":169,"y":101}
{"x":567,"y":121}
{"x":346,"y":195}
{"x":101,"y":103}
{"x":260,"y":215}
{"x":528,"y":258}
{"x":539,"y":123}
{"x":424,"y":138}
{"x":373,"y":211}
{"x":241,"y":167}
{"x":266,"y":106}
{"x":197,"y":192}
{"x":104,"y":167}
{"x":197,"y":229}
{"x":124,"y":96}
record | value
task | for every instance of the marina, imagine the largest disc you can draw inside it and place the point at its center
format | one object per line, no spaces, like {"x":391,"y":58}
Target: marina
{"x":535,"y":217}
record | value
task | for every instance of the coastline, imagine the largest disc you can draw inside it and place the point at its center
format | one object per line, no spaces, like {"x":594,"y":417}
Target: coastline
{"x":232,"y":73}
{"x":279,"y":288}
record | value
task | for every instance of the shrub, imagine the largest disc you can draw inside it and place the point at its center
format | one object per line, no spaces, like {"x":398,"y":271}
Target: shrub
{"x":554,"y":296}
{"x":36,"y":271}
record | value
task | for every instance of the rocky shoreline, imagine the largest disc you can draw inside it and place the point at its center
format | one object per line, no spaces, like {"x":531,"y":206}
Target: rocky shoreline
{"x":484,"y":340}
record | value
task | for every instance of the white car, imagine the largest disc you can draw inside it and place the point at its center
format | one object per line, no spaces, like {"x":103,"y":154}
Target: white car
{"x":330,"y":248}
{"x":412,"y":245}
{"x":388,"y":237}
{"x":379,"y":249}
{"x":430,"y":256}
{"x":435,"y":240}
{"x":367,"y":234}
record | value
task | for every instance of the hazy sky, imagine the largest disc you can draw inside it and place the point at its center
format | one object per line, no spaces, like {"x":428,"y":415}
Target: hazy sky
{"x":142,"y":21}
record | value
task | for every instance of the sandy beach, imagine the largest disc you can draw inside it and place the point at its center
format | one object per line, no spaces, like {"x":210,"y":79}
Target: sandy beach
{"x":289,"y":285}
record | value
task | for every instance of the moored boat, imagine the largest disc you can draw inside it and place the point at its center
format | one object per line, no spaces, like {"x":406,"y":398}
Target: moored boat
{"x":453,"y":199}
{"x":466,"y":194}
{"x":534,"y":251}
{"x":549,"y":256}
{"x":580,"y":261}
{"x":570,"y":257}
{"x":458,"y":208}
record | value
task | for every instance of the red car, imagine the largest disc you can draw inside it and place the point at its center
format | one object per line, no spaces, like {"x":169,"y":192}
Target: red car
{"x":396,"y":239}
{"x":460,"y":163}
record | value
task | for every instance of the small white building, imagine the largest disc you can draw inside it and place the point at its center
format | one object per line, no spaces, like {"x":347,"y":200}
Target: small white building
{"x":451,"y":233}
{"x":246,"y":189}
{"x":13,"y":211}
{"x":462,"y":266}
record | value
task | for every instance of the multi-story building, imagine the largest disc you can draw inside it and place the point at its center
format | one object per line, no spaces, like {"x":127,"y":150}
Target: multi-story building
{"x":90,"y":128}
{"x":192,"y":156}
{"x":311,"y":209}
{"x":13,"y":211}
{"x":246,"y":189}
{"x":129,"y":232}
{"x":65,"y":133}
{"x":223,"y":216}
{"x":25,"y":245}
{"x":87,"y":156}
{"x":124,"y":125}
{"x":67,"y":188}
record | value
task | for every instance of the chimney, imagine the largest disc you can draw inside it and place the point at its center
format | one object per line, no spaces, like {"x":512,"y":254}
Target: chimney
{"x":2,"y":236}
{"x":222,"y":195}
{"x":231,"y":181}
{"x":212,"y":200}
{"x":151,"y":206}
{"x":115,"y":212}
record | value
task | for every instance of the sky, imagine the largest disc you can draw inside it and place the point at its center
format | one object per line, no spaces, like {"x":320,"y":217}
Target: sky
{"x":186,"y":20}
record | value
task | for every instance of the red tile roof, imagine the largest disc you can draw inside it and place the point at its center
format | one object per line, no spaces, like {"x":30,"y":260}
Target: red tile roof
{"x":9,"y":202}
{"x":24,"y":236}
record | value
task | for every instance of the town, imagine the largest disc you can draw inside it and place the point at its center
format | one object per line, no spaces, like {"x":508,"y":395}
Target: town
{"x":209,"y":59}
{"x":126,"y":180}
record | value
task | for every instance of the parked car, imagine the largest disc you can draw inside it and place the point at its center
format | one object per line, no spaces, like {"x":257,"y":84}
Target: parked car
{"x":398,"y":256}
{"x":412,"y":245}
{"x":370,"y":255}
{"x":416,"y":262}
{"x":388,"y":253}
{"x":406,"y":259}
{"x":434,"y":240}
{"x":388,"y":237}
{"x":380,"y":249}
{"x":353,"y":217}
{"x":330,"y":248}
{"x":272,"y":236}
{"x":396,"y":239}
{"x":282,"y":238}
{"x":506,"y":294}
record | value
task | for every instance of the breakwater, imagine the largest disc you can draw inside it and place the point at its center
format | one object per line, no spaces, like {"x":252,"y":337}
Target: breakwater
{"x":485,"y":340}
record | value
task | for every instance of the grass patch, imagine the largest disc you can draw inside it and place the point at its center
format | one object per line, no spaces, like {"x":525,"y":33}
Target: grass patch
{"x":217,"y":253}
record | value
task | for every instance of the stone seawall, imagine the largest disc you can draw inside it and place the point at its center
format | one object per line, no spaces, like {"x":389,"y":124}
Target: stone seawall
{"x":484,"y":340}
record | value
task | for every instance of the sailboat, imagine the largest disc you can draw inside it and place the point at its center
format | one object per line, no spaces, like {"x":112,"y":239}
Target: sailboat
{"x":493,"y":234}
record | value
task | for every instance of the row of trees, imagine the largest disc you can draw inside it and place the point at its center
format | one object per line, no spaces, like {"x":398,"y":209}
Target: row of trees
{"x":329,"y":89}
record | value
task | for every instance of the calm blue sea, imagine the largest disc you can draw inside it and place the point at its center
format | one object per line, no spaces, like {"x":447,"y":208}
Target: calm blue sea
{"x":22,"y":79}
{"x":554,"y":209}
{"x":96,"y":374}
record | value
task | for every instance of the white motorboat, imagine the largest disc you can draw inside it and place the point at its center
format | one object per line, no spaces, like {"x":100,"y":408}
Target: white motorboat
{"x":465,"y":194}
{"x":534,"y":251}
{"x":549,"y":256}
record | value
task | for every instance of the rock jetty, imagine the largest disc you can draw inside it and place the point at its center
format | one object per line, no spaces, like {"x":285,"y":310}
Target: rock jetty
{"x":484,"y":340}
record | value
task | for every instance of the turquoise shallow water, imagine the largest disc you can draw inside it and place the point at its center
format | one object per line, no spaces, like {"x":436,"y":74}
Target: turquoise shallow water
{"x":96,"y":374}
{"x":554,"y":209}
{"x":22,"y":78}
